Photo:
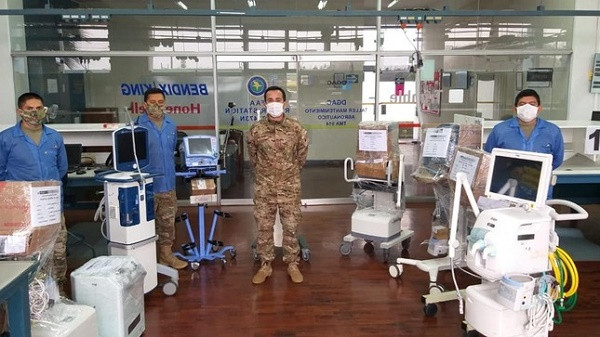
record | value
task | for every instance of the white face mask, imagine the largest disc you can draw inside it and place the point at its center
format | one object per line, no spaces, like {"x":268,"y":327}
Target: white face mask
{"x":275,"y":109}
{"x":527,"y":112}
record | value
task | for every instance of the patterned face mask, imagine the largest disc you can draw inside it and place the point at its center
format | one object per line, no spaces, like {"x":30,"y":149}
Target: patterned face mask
{"x":35,"y":116}
{"x":155,"y":110}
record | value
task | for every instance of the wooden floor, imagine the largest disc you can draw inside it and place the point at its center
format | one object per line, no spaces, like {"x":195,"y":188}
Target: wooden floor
{"x":341,"y":295}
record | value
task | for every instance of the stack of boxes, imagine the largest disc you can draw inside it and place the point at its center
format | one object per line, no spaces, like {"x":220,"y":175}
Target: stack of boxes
{"x":31,"y":218}
{"x":377,"y":148}
{"x":203,"y":191}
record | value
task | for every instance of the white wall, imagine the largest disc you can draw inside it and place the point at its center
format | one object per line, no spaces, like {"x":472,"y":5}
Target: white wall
{"x":586,"y":40}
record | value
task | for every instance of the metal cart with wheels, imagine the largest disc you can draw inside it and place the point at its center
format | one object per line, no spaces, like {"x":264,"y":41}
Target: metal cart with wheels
{"x":378,"y":220}
{"x":204,"y":249}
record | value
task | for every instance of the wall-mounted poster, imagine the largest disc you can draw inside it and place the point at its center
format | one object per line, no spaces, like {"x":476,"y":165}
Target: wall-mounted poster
{"x":431,"y":94}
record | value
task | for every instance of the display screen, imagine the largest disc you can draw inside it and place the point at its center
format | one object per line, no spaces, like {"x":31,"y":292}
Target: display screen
{"x":124,"y":147}
{"x":74,"y":154}
{"x":516,"y":177}
{"x":200,"y":146}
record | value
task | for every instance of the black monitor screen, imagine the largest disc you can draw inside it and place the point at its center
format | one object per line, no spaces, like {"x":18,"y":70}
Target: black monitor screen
{"x":124,"y":148}
{"x":525,"y":173}
{"x":200,"y":146}
{"x":74,"y":154}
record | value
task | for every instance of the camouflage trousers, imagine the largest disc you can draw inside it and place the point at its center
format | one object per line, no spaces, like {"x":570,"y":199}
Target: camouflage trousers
{"x":165,"y":208}
{"x":56,"y":265}
{"x":264,"y":215}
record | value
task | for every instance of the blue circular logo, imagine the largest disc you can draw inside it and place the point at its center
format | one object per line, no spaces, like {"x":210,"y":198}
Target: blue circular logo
{"x":257,"y":85}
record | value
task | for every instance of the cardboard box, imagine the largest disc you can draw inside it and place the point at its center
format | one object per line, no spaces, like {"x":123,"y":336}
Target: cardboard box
{"x":377,"y":147}
{"x":203,"y":186}
{"x":475,"y":164}
{"x":31,"y":216}
{"x":439,"y":144}
{"x":203,"y":199}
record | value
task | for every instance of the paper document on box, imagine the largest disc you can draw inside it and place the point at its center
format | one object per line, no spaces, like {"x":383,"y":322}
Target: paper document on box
{"x":436,"y":142}
{"x":466,"y":163}
{"x":372,"y":140}
{"x":45,"y":206}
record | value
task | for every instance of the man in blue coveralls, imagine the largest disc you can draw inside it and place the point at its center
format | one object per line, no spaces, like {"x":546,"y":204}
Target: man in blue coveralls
{"x":30,"y":151}
{"x":162,"y":141}
{"x":528,"y":132}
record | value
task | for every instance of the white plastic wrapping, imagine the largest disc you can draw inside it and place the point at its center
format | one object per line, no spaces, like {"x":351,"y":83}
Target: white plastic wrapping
{"x":114,"y":286}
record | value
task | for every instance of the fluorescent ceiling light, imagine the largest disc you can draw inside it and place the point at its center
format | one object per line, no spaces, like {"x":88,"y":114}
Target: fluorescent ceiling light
{"x":251,"y":3}
{"x":232,"y":13}
{"x":322,"y":4}
{"x":182,"y":5}
{"x":393,"y":3}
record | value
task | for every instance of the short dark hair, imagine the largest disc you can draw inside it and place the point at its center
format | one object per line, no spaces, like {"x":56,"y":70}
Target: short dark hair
{"x":528,"y":93}
{"x":153,"y":91}
{"x":274,"y":87}
{"x":27,"y":96}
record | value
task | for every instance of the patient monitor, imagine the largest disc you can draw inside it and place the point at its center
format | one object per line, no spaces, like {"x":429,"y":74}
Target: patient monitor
{"x":200,"y":151}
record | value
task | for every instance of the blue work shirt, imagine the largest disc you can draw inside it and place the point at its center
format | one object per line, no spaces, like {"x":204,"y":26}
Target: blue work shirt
{"x":21,"y":159}
{"x":161,"y":152}
{"x":545,"y":138}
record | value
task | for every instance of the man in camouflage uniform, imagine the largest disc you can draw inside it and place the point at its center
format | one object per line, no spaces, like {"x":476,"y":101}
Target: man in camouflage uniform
{"x":277,"y":147}
{"x":31,"y":151}
{"x":162,"y":141}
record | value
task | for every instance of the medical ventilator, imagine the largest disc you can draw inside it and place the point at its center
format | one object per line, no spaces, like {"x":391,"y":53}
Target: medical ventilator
{"x":510,"y":247}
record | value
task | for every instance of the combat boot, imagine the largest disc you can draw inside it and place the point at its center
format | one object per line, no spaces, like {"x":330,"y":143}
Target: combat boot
{"x":262,"y":274}
{"x":167,"y":258}
{"x":295,"y":273}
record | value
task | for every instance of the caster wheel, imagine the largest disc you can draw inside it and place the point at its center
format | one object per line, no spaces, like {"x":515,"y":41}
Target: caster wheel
{"x":214,"y":249}
{"x":406,"y":243}
{"x":472,"y":333}
{"x":436,"y":289}
{"x":305,"y":254}
{"x":232,"y":253}
{"x":195,"y":265}
{"x":395,"y":270}
{"x":386,"y":256}
{"x":430,"y":310}
{"x":346,"y":248}
{"x":169,"y":288}
{"x":368,"y":247}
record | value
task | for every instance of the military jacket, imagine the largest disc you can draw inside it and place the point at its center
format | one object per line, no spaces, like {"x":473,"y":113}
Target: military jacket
{"x":277,"y":152}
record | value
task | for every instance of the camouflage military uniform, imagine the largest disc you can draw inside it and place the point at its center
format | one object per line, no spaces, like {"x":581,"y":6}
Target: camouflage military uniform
{"x":277,"y":152}
{"x":165,"y":208}
{"x":59,"y":271}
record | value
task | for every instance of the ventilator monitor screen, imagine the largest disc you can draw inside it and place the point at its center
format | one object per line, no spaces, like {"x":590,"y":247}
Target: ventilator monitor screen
{"x":124,"y":156}
{"x":520,"y":177}
{"x":200,"y":146}
{"x":200,"y":151}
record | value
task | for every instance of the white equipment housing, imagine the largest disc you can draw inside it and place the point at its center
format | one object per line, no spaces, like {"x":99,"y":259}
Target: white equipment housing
{"x":491,"y":318}
{"x":375,"y":223}
{"x":382,"y":221}
{"x":511,"y":240}
{"x":114,"y":286}
{"x":130,"y":232}
{"x":66,"y":320}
